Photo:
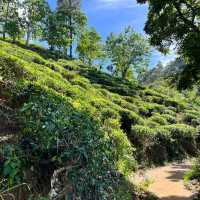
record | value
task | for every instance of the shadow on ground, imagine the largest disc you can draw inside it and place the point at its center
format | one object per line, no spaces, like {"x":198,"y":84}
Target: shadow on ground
{"x":178,"y":172}
{"x":176,"y":198}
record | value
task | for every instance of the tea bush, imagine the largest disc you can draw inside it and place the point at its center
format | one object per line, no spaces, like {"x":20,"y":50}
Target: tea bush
{"x":101,"y":127}
{"x":158,"y":119}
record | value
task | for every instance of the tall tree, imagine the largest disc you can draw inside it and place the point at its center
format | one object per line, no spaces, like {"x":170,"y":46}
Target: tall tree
{"x":55,"y":31}
{"x":73,"y":18}
{"x":177,"y":21}
{"x":8,"y":13}
{"x":33,"y":13}
{"x":129,"y":51}
{"x":89,"y":47}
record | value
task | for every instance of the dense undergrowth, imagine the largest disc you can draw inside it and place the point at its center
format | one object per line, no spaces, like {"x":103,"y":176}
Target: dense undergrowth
{"x":98,"y":128}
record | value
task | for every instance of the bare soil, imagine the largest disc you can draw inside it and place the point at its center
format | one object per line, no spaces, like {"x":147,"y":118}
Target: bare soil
{"x":167,"y":181}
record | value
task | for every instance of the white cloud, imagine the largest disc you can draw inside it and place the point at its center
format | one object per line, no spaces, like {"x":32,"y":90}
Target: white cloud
{"x":165,"y":59}
{"x":116,"y":4}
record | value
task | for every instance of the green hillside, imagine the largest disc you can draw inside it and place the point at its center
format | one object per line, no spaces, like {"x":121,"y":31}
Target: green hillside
{"x":60,"y":114}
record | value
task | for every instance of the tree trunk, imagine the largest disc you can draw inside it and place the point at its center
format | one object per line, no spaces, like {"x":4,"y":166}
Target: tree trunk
{"x":90,"y":62}
{"x":28,"y":35}
{"x":4,"y":35}
{"x":7,"y":10}
{"x":14,"y":39}
{"x":71,"y":37}
{"x":51,"y":47}
{"x":124,"y":73}
{"x":70,"y":31}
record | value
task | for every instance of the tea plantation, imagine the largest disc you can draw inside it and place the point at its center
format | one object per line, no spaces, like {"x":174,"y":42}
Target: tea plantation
{"x":58,"y":114}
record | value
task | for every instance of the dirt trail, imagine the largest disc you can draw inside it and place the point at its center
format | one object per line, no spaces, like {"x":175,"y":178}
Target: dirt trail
{"x":168,"y":181}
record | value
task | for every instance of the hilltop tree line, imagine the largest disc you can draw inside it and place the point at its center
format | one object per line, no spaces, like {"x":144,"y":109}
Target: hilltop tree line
{"x":169,"y":23}
{"x":65,"y":27}
{"x":34,"y":19}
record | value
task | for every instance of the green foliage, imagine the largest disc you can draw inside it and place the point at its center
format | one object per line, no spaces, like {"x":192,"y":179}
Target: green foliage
{"x":194,"y":174}
{"x":13,"y":165}
{"x":52,"y":123}
{"x":72,"y":115}
{"x":13,"y":29}
{"x":34,"y":11}
{"x":73,"y":18}
{"x":183,"y":139}
{"x":38,"y":198}
{"x":9,"y":18}
{"x":170,"y":21}
{"x":171,"y":141}
{"x":89,"y":47}
{"x":192,"y":177}
{"x":55,"y":31}
{"x":160,"y":72}
{"x":158,"y":119}
{"x":170,"y":119}
{"x":129,"y":52}
{"x":191,"y":118}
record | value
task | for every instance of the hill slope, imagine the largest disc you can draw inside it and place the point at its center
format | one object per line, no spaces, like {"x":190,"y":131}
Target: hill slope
{"x":85,"y":128}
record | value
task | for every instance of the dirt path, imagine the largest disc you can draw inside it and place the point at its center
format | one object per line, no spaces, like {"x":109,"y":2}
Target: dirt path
{"x":168,"y":181}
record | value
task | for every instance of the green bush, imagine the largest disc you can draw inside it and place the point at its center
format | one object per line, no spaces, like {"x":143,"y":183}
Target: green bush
{"x":147,"y":109}
{"x":191,"y":119}
{"x":12,"y":169}
{"x":183,"y":140}
{"x":175,"y":104}
{"x":158,"y":119}
{"x":170,"y":119}
{"x":9,"y":68}
{"x":128,"y":119}
{"x":171,"y":141}
{"x":55,"y":132}
{"x":144,"y":140}
{"x":151,"y":124}
{"x":74,"y":115}
{"x":194,"y":176}
{"x":169,"y":112}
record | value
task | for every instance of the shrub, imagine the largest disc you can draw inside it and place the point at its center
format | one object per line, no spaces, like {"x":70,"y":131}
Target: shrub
{"x":158,"y":100}
{"x":170,"y":119}
{"x":9,"y":68}
{"x":191,"y":119}
{"x":169,"y":112}
{"x":192,"y":178}
{"x":52,"y":66}
{"x":163,"y":143}
{"x":142,"y":138}
{"x":128,"y":119}
{"x":183,"y":140}
{"x":178,"y":105}
{"x":147,"y":109}
{"x":195,"y":122}
{"x":151,"y":124}
{"x":124,"y":104}
{"x":108,"y":113}
{"x":12,"y":166}
{"x":144,"y":111}
{"x":68,"y":65}
{"x":69,"y":75}
{"x":38,"y":60}
{"x":158,"y":119}
{"x":55,"y":132}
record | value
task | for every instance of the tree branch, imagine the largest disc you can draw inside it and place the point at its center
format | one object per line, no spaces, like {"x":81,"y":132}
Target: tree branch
{"x":185,"y":20}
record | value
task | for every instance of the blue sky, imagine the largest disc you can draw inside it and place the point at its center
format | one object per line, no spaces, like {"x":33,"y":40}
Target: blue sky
{"x":114,"y":15}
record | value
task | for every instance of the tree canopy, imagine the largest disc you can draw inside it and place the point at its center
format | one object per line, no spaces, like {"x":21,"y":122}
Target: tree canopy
{"x":177,"y":22}
{"x":89,"y":47}
{"x":129,"y":51}
{"x":73,"y":18}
